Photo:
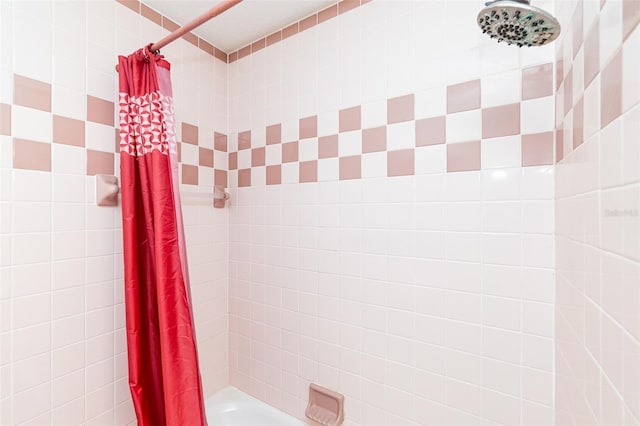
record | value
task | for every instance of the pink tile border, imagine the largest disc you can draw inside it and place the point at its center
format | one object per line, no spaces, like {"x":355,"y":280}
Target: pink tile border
{"x":308,"y":127}
{"x":190,"y":134}
{"x":244,"y":140}
{"x":630,"y":16}
{"x":220,"y":142}
{"x":463,"y":96}
{"x":559,"y":145}
{"x":274,"y":174}
{"x":258,"y":157}
{"x":99,"y":162}
{"x":290,"y":152}
{"x":400,"y":109}
{"x":233,"y":160}
{"x":189,"y":174}
{"x":274,"y":134}
{"x":502,"y":120}
{"x":592,"y":53}
{"x":220,"y":177}
{"x":30,"y":155}
{"x":308,"y":171}
{"x":537,"y":149}
{"x":328,"y":146}
{"x":31,"y":93}
{"x":431,"y":131}
{"x":611,"y":90}
{"x":244,"y":177}
{"x":374,"y":140}
{"x":463,"y":157}
{"x":5,"y":119}
{"x":401,"y":163}
{"x":537,"y":81}
{"x":100,"y":111}
{"x":350,"y":119}
{"x":578,"y":123}
{"x":205,"y":157}
{"x":68,"y":131}
{"x":350,"y":167}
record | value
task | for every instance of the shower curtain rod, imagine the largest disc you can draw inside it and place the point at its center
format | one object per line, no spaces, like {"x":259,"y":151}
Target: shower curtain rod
{"x":208,"y":15}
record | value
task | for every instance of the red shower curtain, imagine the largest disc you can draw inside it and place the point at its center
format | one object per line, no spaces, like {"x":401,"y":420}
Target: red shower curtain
{"x":163,"y":365}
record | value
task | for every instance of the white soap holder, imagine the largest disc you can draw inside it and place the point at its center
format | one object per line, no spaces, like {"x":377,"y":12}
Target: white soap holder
{"x":326,"y":407}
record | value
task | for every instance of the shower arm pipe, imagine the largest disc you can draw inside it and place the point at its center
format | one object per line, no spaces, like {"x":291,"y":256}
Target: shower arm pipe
{"x":208,"y":15}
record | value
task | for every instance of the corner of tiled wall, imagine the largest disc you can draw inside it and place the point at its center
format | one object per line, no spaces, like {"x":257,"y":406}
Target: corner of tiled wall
{"x":597,"y":219}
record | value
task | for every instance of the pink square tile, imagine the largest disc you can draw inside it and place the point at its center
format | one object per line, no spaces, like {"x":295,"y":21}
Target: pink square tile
{"x":244,"y":177}
{"x":592,"y":53}
{"x":220,"y":142}
{"x":463,"y":97}
{"x":220,"y":178}
{"x":99,"y":162}
{"x":257,"y":157}
{"x":31,"y":155}
{"x":401,"y":163}
{"x":559,"y":70}
{"x":290,"y":152}
{"x":205,"y":157}
{"x":568,"y":92}
{"x":274,"y":175}
{"x":630,"y":16}
{"x":68,"y":131}
{"x":308,"y":127}
{"x":611,"y":90}
{"x":32,"y":93}
{"x":431,"y":131}
{"x":189,"y":174}
{"x":464,"y":156}
{"x":537,"y":149}
{"x":191,"y":38}
{"x":577,"y":28}
{"x":350,"y":119}
{"x":244,"y":140}
{"x":537,"y":81}
{"x":219,"y":54}
{"x":169,"y":24}
{"x":327,"y":13}
{"x":350,"y":167}
{"x":189,"y":134}
{"x":347,"y":5}
{"x":233,"y":160}
{"x":233,"y":56}
{"x":374,"y":140}
{"x":328,"y":146}
{"x":400,"y":109}
{"x":502,"y":120}
{"x":578,"y":123}
{"x":308,"y":171}
{"x":274,"y":134}
{"x":559,"y":145}
{"x":5,"y":119}
{"x":100,"y":111}
{"x":131,"y":4}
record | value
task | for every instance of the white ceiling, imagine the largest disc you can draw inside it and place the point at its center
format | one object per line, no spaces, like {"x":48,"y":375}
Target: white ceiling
{"x":245,"y":22}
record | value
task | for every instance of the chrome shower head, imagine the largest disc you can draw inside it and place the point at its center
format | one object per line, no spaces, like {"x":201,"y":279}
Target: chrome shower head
{"x":517,"y":22}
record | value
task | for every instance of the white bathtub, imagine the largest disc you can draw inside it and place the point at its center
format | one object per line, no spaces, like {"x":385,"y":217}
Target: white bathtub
{"x":232,"y":407}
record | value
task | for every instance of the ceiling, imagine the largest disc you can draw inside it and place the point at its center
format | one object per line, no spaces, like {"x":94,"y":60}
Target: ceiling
{"x":245,"y":22}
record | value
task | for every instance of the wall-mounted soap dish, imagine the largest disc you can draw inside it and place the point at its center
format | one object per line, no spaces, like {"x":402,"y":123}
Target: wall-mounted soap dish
{"x":326,"y":407}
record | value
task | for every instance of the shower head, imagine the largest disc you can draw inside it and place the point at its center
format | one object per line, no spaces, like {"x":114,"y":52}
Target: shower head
{"x":517,"y":22}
